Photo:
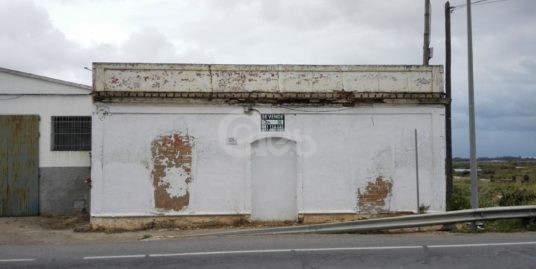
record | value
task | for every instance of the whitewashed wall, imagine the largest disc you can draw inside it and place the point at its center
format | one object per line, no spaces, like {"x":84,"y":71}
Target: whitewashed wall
{"x":46,"y":107}
{"x":27,"y":94}
{"x":340,"y":150}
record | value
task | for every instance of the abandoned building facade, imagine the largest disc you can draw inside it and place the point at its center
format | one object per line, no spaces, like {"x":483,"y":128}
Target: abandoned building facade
{"x":45,"y":144}
{"x":198,"y":143}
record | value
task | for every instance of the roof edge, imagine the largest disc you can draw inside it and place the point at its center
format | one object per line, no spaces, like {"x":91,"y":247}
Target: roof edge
{"x":262,"y":67}
{"x":48,"y":79}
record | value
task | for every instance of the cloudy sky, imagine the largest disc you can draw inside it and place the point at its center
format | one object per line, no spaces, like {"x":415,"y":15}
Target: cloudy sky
{"x":58,"y":38}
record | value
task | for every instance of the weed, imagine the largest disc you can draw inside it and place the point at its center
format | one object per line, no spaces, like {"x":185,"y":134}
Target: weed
{"x":146,"y":236}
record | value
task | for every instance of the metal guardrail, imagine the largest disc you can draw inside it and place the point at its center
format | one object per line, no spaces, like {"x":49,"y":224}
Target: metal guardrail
{"x":469,"y":215}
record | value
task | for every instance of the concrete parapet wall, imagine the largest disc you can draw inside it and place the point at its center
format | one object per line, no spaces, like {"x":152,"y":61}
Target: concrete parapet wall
{"x":138,"y":77}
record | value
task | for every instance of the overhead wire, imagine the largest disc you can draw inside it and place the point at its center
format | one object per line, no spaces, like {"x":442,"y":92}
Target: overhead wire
{"x":11,"y":97}
{"x":478,"y":3}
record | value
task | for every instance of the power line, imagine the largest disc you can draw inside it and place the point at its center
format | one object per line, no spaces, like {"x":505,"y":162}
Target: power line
{"x":478,"y":3}
{"x":11,"y":98}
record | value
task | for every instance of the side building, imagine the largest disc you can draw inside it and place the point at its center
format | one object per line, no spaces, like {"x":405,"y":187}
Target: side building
{"x":183,"y":144}
{"x":45,"y":144}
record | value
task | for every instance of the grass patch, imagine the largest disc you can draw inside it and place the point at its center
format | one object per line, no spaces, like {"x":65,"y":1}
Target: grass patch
{"x":146,"y":236}
{"x":508,"y":183}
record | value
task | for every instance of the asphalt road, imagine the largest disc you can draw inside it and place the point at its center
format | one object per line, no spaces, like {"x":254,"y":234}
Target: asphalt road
{"x":287,"y":251}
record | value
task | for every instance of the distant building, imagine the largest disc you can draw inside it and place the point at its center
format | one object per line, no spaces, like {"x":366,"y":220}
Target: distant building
{"x":196,"y":144}
{"x":45,"y":143}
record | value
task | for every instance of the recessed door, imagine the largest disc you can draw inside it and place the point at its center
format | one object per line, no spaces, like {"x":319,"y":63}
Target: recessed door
{"x":273,"y":171}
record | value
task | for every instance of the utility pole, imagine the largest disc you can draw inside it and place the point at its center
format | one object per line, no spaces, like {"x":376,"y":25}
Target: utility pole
{"x":472,"y":133}
{"x":448,"y":122}
{"x":426,"y":47}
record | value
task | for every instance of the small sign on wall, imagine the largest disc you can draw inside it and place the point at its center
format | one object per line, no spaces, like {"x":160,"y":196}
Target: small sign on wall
{"x":272,"y":122}
{"x":231,"y":141}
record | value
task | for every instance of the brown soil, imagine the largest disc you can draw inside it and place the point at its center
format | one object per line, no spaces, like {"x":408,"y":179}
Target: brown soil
{"x":64,"y":222}
{"x":75,"y":229}
{"x":66,"y":230}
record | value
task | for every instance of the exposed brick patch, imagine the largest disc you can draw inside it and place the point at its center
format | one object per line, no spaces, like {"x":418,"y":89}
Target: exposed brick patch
{"x":372,"y":199}
{"x":172,"y":152}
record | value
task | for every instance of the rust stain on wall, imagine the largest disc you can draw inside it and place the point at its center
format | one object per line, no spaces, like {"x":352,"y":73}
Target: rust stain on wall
{"x":372,"y":199}
{"x":172,"y":170}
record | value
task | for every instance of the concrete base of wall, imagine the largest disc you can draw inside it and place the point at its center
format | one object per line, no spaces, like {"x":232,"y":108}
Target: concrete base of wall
{"x":314,"y":218}
{"x":150,"y":222}
{"x":62,"y":190}
{"x":212,"y":221}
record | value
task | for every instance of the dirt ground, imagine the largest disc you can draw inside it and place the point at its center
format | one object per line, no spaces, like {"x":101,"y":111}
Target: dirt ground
{"x":62,"y":230}
{"x":75,"y":229}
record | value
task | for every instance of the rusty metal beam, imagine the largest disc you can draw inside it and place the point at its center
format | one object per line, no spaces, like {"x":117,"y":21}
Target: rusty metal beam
{"x":336,"y":97}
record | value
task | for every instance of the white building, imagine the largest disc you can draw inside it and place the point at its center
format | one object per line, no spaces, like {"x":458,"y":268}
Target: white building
{"x":44,"y":145}
{"x":179,"y":143}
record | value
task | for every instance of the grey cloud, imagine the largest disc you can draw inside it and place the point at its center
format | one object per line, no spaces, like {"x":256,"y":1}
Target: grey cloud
{"x":495,"y":143}
{"x":30,"y":42}
{"x":303,"y":15}
{"x":504,"y":34}
{"x":310,"y":32}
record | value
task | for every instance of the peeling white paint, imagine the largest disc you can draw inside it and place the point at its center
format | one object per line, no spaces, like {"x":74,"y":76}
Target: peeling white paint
{"x":175,"y":180}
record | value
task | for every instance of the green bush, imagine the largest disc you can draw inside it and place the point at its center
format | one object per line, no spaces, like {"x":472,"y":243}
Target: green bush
{"x":513,"y":195}
{"x":460,"y":198}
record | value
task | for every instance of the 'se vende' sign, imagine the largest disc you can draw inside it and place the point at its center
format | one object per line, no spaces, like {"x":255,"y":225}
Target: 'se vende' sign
{"x":272,"y":122}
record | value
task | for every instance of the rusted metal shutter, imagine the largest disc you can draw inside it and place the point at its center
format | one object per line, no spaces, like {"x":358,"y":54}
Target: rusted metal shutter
{"x":19,"y":165}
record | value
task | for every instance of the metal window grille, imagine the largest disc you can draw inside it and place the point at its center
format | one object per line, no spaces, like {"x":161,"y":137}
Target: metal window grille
{"x":71,"y":133}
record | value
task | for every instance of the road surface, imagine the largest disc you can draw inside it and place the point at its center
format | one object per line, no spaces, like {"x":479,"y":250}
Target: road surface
{"x":438,"y":250}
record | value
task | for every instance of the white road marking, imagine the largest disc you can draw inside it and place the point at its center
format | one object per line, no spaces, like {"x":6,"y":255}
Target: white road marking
{"x":357,"y":248}
{"x":114,"y":257}
{"x":221,"y":252}
{"x":280,"y":251}
{"x":334,"y":249}
{"x":230,"y":252}
{"x":483,"y":245}
{"x":17,"y":260}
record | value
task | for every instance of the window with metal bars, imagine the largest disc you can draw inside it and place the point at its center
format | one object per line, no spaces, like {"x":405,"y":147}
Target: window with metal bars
{"x":71,"y":133}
